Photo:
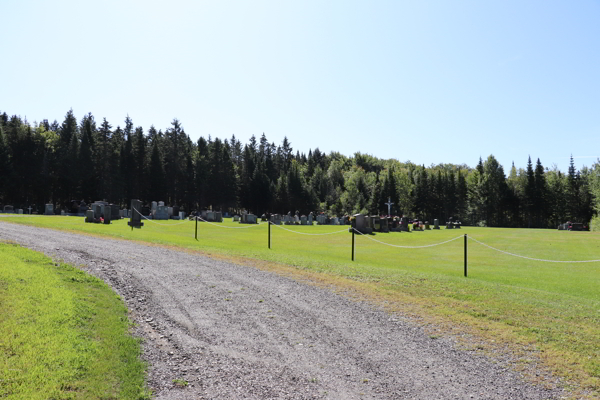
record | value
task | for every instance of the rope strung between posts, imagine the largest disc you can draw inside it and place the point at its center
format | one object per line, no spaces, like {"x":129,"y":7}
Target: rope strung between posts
{"x":229,"y":227}
{"x":308,"y":234}
{"x":407,"y":247}
{"x":158,"y":223}
{"x":529,"y":258}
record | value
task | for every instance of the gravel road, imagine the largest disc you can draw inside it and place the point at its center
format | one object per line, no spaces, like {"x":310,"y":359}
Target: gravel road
{"x":236,"y":332}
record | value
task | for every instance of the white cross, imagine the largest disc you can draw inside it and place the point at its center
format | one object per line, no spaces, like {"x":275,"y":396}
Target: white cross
{"x":29,"y":210}
{"x":389,"y":204}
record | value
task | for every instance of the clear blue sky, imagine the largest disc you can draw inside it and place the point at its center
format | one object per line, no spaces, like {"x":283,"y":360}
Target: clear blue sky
{"x":424,"y":81}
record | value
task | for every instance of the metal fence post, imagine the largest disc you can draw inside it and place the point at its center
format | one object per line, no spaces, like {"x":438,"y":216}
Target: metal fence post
{"x":352,"y":244}
{"x":465,"y":254}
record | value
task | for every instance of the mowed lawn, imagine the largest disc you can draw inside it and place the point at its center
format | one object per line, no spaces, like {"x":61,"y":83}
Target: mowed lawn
{"x":553,"y":308}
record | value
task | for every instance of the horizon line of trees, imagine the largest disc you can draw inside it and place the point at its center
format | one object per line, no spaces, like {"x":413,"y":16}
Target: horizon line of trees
{"x":85,"y":160}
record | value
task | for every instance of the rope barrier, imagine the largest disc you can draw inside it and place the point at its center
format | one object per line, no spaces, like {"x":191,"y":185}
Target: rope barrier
{"x":158,"y":223}
{"x":529,"y":258}
{"x":407,"y":247}
{"x":308,"y":234}
{"x":229,"y":227}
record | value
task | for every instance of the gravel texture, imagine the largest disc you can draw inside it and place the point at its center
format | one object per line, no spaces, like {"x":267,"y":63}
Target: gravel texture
{"x":235,"y":332}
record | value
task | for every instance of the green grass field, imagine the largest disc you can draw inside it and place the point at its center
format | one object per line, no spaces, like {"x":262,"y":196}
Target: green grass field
{"x":63,"y":333}
{"x":551,"y":307}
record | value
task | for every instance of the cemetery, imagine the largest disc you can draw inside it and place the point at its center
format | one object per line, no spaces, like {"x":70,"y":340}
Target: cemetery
{"x":572,"y":226}
{"x":376,"y":262}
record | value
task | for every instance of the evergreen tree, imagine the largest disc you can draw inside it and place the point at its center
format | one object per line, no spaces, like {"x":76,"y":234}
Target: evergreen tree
{"x":139,"y":160}
{"x":530,"y":194}
{"x":86,"y":158}
{"x":157,"y":174}
{"x":202,"y":172}
{"x":68,"y":148}
{"x":5,"y":166}
{"x":103,"y":159}
{"x":540,"y":196}
{"x":573,"y":198}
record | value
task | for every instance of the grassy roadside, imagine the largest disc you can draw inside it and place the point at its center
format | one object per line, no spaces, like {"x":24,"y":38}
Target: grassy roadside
{"x":63,"y":333}
{"x":551,"y":310}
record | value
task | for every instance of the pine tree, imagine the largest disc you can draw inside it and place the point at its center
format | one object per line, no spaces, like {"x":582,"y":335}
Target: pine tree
{"x":5,"y":166}
{"x":540,"y":196}
{"x":530,"y":194}
{"x":202,"y":172}
{"x":86,"y":158}
{"x":103,"y":159}
{"x":68,"y":148}
{"x":157,"y":174}
{"x":573,"y":199}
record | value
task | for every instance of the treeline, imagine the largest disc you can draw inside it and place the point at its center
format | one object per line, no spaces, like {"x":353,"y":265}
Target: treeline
{"x":87,"y":160}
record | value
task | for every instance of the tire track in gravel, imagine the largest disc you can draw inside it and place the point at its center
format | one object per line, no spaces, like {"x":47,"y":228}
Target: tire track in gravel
{"x":236,"y":332}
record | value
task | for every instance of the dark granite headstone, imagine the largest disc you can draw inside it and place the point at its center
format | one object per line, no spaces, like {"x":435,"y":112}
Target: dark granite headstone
{"x":135,"y":221}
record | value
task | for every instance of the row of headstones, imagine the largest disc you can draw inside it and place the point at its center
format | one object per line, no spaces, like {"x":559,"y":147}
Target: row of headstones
{"x":159,"y":211}
{"x":104,"y":210}
{"x":212,"y":216}
{"x":49,"y":210}
{"x":245,"y":218}
{"x":12,"y":210}
{"x":308,"y":220}
{"x":368,"y":224}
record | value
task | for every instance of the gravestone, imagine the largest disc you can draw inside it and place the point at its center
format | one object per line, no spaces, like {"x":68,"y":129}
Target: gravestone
{"x":170,"y":211}
{"x":210,"y":216}
{"x":236,"y":218}
{"x":160,"y":203}
{"x":321,"y":219}
{"x":82,"y":207}
{"x":181,"y":214}
{"x":20,"y":211}
{"x":335,"y":221}
{"x":303,"y":220}
{"x":175,"y":211}
{"x":310,"y":218}
{"x":162,"y":213}
{"x":248,"y":219}
{"x":49,"y":209}
{"x":403,"y":225}
{"x":384,"y":227}
{"x":376,"y":223}
{"x":153,"y":206}
{"x":135,"y":219}
{"x":436,"y":224}
{"x":63,"y":213}
{"x":218,"y":216}
{"x":114,"y":212}
{"x":361,"y":224}
{"x":9,"y":209}
{"x":107,"y":214}
{"x":449,"y":225}
{"x":89,"y":216}
{"x":98,"y":209}
{"x":287,"y":220}
{"x":121,"y":213}
{"x":276,"y":219}
{"x":427,"y":227}
{"x":344,"y":220}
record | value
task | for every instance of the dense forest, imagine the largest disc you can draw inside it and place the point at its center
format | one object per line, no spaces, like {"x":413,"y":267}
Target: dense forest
{"x":89,"y":160}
